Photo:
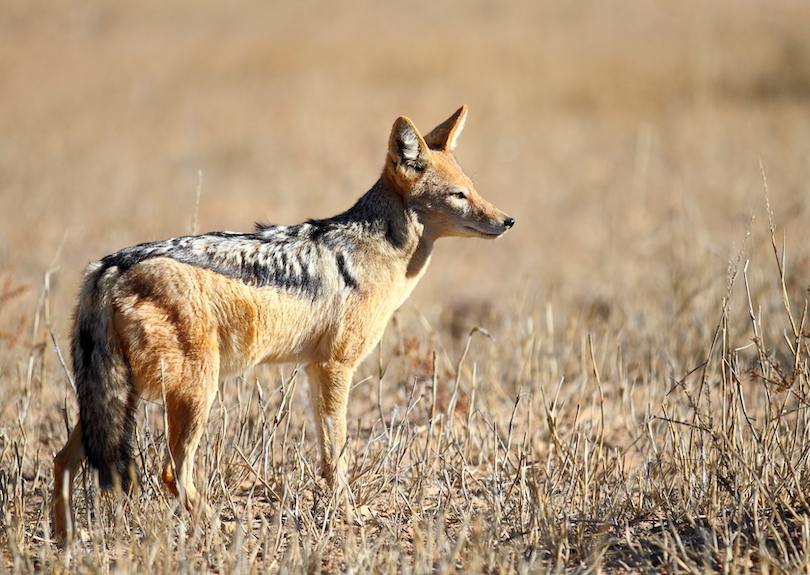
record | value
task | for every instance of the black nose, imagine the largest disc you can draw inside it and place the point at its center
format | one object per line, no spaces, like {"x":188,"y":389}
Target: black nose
{"x":508,"y":223}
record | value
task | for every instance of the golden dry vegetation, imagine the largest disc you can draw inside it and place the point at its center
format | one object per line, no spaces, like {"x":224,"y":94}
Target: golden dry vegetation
{"x":637,"y":401}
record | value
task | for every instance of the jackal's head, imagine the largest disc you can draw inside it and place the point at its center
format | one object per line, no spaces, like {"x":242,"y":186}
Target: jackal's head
{"x":424,"y":172}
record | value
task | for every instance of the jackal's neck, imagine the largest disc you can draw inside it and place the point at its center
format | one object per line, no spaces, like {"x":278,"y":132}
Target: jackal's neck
{"x":383,"y":212}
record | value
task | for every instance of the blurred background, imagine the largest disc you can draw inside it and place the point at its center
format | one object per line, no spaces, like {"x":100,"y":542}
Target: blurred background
{"x":627,"y":138}
{"x":624,"y":137}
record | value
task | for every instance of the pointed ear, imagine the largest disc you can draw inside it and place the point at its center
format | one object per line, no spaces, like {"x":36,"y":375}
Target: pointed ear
{"x":443,"y":136}
{"x":406,"y":148}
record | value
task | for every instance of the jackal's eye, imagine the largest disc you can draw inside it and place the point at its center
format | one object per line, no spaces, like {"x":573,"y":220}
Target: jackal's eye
{"x":458,"y":194}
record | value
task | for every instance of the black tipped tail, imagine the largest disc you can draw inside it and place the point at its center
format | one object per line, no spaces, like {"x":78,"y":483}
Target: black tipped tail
{"x":107,"y":397}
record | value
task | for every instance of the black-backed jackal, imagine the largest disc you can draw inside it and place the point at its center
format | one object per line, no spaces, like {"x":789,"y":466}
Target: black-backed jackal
{"x":167,"y":319}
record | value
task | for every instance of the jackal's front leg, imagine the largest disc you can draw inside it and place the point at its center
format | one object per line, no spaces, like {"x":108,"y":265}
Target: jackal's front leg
{"x":329,"y":387}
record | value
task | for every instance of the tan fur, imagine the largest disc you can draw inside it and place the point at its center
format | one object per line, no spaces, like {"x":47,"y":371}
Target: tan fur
{"x":180,"y":327}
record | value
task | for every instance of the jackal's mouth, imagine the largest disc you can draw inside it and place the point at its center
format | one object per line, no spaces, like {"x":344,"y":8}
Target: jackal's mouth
{"x":484,"y":233}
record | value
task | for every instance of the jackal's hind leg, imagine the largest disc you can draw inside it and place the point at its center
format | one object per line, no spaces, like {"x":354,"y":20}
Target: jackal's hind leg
{"x":186,"y":417}
{"x":65,"y":465}
{"x":187,"y":405}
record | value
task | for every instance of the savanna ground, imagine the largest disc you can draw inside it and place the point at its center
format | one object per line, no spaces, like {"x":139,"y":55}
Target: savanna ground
{"x":635,"y":398}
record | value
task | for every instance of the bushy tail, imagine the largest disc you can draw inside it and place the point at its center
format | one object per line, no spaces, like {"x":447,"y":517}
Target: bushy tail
{"x":107,"y":396}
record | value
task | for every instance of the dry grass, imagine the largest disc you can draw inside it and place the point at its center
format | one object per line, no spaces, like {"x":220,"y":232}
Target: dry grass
{"x":637,"y":399}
